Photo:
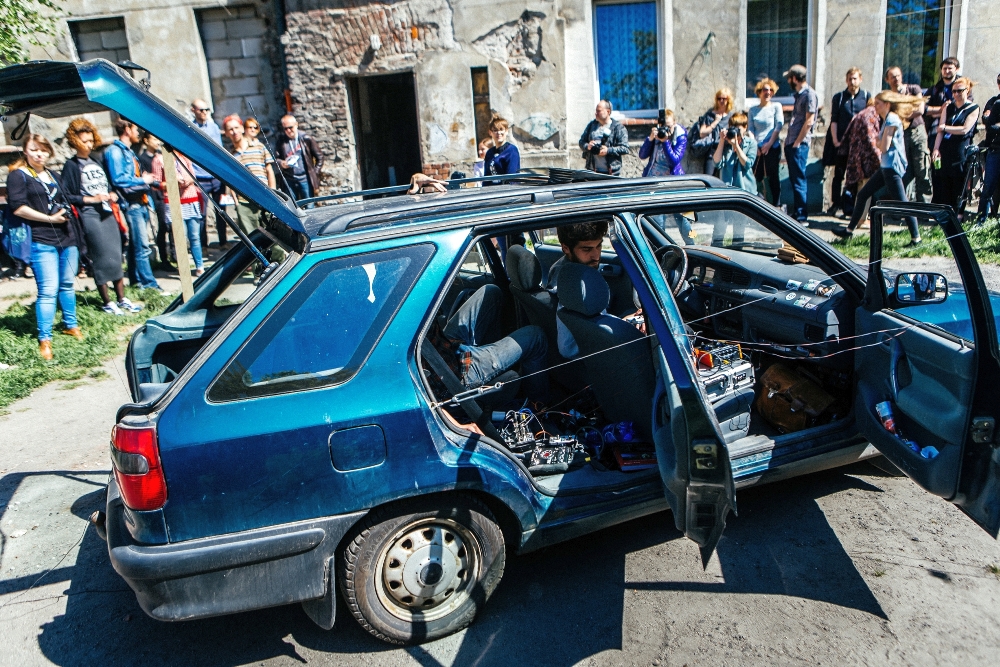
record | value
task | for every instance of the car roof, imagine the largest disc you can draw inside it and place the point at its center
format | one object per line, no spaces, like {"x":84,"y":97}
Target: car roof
{"x":410,"y":210}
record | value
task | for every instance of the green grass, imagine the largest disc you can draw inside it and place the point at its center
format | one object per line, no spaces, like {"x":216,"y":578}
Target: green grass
{"x":985,"y":241}
{"x":105,"y":336}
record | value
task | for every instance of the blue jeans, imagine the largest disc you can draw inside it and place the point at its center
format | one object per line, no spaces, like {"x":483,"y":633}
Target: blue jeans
{"x":301,"y":189}
{"x":476,"y":327}
{"x":193,"y":226}
{"x":139,"y":270}
{"x":796,"y":159}
{"x":55,"y":269}
{"x":991,"y":179}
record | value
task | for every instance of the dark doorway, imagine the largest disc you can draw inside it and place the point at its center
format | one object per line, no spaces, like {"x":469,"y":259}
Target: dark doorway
{"x":384,"y":109}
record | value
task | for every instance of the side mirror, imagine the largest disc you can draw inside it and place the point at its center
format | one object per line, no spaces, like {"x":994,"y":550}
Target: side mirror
{"x":920,"y":288}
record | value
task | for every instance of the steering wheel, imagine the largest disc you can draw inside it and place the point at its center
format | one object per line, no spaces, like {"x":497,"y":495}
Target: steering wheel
{"x":673,"y":261}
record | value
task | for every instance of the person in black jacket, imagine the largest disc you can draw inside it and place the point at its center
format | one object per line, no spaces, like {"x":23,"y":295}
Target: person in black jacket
{"x":35,"y":198}
{"x":991,"y":118}
{"x":299,"y":158}
{"x":164,"y":235}
{"x":846,"y":105}
{"x":955,"y":128}
{"x":86,"y":186}
{"x":604,"y":141}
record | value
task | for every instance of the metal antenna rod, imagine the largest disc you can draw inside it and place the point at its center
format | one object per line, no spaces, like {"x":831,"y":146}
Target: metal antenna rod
{"x":267,"y":145}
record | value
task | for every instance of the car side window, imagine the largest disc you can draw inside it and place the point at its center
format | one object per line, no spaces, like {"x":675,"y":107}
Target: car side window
{"x":324,"y":329}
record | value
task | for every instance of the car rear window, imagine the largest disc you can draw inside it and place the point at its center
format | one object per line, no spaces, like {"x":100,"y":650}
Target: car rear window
{"x":325,"y":328}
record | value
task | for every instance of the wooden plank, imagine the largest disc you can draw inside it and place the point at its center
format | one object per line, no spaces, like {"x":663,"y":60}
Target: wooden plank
{"x":177,"y":224}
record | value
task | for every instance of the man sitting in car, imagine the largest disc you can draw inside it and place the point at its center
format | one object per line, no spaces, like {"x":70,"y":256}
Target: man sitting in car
{"x":581,"y":244}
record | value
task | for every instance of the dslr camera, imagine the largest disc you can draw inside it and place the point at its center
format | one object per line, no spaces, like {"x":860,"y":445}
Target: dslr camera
{"x":661,"y":125}
{"x":732,"y":133}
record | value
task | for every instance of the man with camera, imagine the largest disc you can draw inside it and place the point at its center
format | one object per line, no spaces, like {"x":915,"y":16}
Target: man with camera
{"x":664,"y":147}
{"x":604,"y":141}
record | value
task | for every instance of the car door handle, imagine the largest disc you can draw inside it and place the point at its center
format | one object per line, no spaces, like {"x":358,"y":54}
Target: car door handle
{"x":896,"y":355}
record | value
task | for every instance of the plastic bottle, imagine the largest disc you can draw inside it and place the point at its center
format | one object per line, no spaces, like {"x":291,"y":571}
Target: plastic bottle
{"x":929,"y":452}
{"x":884,"y":410}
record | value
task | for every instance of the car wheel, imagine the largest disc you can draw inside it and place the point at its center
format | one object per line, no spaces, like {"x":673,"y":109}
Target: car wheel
{"x":421,"y":570}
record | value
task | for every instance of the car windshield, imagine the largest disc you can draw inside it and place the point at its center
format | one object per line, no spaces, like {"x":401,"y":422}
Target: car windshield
{"x":720,"y":228}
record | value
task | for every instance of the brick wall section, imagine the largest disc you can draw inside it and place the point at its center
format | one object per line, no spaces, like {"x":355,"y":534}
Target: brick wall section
{"x":441,"y":170}
{"x":100,"y":38}
{"x":239,"y":66}
{"x":323,"y":46}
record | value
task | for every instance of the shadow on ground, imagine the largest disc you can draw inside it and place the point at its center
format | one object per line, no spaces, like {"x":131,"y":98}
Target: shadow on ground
{"x":557,"y":606}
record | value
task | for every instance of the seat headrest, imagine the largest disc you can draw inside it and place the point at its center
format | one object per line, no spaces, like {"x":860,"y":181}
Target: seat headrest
{"x":523,"y":269}
{"x":583,"y":289}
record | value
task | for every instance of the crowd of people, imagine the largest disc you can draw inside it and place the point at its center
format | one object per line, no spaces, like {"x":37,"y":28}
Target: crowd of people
{"x":876,"y":144}
{"x":99,"y":213}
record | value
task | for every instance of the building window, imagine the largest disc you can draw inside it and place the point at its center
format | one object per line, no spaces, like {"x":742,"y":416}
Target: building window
{"x":481,"y":102}
{"x":777,"y":34}
{"x":100,"y":38}
{"x":238,"y":68}
{"x":915,"y":34}
{"x":625,"y":40}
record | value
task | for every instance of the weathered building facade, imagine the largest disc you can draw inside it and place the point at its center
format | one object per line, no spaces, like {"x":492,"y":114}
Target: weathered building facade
{"x":389,"y":87}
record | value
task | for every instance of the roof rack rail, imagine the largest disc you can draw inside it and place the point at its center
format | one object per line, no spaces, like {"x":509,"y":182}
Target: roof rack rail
{"x":541,"y":176}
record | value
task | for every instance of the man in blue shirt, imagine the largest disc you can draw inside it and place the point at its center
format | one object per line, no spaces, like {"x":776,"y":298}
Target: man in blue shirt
{"x":133,"y":189}
{"x":203,"y":121}
{"x":800,"y":132}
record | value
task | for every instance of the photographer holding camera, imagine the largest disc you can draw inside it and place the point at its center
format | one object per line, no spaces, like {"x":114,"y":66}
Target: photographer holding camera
{"x":35,"y":198}
{"x":736,"y":153}
{"x":664,"y":147}
{"x":604,"y":141}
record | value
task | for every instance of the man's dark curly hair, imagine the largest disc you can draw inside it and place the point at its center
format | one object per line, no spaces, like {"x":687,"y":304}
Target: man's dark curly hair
{"x":571,"y":235}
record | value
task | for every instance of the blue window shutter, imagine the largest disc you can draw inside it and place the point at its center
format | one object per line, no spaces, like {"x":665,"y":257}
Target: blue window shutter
{"x":627,"y":55}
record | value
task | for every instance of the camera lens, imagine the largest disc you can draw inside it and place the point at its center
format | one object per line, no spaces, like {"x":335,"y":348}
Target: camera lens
{"x":661,"y":133}
{"x":731,"y":133}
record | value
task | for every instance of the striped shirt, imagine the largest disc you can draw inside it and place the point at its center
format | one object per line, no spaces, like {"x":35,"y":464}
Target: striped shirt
{"x":190,"y":195}
{"x":255,"y":158}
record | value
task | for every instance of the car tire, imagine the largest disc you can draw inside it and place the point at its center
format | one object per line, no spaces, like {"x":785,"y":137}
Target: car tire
{"x":421,"y":570}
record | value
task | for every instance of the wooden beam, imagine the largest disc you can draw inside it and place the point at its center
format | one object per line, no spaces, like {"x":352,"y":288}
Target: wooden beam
{"x":177,"y":224}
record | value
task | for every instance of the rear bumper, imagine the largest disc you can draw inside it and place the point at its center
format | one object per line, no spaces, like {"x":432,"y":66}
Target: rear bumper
{"x":230,"y":573}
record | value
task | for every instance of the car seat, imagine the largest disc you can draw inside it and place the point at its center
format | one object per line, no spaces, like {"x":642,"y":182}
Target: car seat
{"x":622,"y":376}
{"x":525,"y":273}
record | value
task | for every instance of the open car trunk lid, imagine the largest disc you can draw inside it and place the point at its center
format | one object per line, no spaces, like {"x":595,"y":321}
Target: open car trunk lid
{"x":54,"y":89}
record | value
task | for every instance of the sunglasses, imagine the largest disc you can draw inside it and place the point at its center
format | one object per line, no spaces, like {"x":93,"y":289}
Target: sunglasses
{"x":253,"y":127}
{"x":766,"y":90}
{"x":959,"y":90}
{"x":197,"y":109}
{"x":722,"y":99}
{"x":288,"y":127}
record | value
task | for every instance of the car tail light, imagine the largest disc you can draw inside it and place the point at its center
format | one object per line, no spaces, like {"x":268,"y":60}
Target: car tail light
{"x":135,"y":455}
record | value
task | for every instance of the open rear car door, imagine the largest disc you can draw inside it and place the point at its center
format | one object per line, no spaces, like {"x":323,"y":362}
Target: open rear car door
{"x":690,"y":447}
{"x":928,"y":380}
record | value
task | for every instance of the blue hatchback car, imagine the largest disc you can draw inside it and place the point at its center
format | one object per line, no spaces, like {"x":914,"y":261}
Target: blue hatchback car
{"x":317,"y":433}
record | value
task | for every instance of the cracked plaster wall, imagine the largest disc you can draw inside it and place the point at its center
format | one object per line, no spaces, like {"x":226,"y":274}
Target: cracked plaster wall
{"x":520,"y":43}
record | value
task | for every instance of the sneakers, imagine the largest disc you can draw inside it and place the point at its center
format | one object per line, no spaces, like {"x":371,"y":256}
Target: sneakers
{"x":111,"y":308}
{"x":843,"y":232}
{"x":127,"y":307}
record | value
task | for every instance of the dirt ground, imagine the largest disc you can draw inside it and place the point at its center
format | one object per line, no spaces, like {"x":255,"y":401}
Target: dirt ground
{"x":845,"y":567}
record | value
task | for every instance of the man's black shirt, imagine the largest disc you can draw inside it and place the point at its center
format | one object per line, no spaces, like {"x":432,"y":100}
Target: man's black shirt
{"x":845,"y":107}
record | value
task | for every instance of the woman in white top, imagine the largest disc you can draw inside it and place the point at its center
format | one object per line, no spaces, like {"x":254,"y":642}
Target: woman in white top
{"x":766,"y":120}
{"x":892,"y":107}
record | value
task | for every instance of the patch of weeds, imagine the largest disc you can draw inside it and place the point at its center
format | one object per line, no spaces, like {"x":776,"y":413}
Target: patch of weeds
{"x":879,"y":573}
{"x":72,"y":385}
{"x":104,"y":336}
{"x":984,"y":239}
{"x":993,"y":569}
{"x":98,"y":374}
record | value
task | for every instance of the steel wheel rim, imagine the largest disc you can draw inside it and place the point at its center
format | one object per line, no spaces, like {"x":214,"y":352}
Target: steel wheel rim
{"x":428,"y":569}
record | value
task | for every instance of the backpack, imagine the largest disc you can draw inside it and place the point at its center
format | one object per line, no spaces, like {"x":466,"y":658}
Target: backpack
{"x":698,"y":146}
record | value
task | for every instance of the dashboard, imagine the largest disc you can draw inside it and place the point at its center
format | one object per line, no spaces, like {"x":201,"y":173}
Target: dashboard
{"x":797,"y":309}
